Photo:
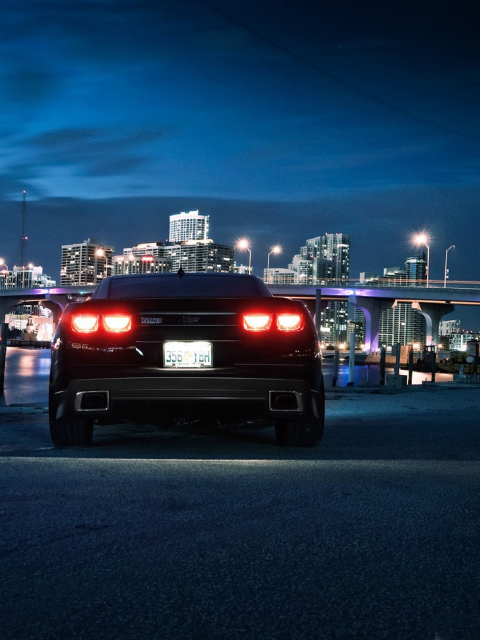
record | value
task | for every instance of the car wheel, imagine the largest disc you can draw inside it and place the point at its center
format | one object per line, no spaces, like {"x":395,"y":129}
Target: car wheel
{"x":67,"y":433}
{"x":71,"y":433}
{"x":303,"y":433}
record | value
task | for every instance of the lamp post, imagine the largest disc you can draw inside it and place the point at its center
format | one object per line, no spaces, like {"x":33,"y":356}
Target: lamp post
{"x":244,"y":245}
{"x":446,"y":270}
{"x":276,"y":250}
{"x":422,"y":238}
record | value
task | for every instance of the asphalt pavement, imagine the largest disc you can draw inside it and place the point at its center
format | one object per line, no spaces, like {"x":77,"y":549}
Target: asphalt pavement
{"x":181,"y":533}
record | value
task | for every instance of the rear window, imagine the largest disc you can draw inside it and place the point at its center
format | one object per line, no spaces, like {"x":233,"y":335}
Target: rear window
{"x":190,"y":285}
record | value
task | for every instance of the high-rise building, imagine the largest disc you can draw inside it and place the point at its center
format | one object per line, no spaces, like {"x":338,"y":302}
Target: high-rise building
{"x":333,"y":248}
{"x":301,"y":266}
{"x":188,"y":226}
{"x":402,"y":323}
{"x":279,"y":276}
{"x":86,"y":262}
{"x":330,"y":255}
{"x":459,"y":340}
{"x":191,"y":256}
{"x":204,"y":255}
{"x":325,"y":261}
{"x":148,"y":257}
{"x":29,"y":277}
{"x":447,"y":327}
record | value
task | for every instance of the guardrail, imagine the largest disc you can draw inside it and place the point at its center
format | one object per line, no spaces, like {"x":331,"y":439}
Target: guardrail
{"x":31,"y":344}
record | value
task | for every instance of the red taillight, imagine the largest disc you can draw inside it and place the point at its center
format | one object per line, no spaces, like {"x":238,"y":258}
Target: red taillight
{"x":84,"y":323}
{"x":257,"y":321}
{"x":290,"y":321}
{"x":117,"y":323}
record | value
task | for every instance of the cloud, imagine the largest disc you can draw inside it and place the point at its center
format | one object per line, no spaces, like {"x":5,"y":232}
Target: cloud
{"x":26,"y":82}
{"x":91,"y":151}
{"x":99,"y":30}
{"x":113,"y":167}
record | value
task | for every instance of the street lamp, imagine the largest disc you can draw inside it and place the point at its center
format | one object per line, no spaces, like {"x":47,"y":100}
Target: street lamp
{"x":245,"y":245}
{"x":446,"y":270}
{"x":276,"y":250}
{"x":422,"y":238}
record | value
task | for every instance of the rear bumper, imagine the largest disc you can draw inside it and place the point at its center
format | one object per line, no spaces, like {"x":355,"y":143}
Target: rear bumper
{"x":227,"y":398}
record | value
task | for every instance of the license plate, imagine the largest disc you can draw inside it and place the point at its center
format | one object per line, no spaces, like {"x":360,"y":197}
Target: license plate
{"x":187,"y":354}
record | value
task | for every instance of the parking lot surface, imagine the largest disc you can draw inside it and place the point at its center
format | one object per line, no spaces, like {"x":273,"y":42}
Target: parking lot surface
{"x":181,"y":533}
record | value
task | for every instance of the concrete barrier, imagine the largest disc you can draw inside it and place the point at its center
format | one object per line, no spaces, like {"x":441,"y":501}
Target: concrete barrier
{"x":395,"y":380}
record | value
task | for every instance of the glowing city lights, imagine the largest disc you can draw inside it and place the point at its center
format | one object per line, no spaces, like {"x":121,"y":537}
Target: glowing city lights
{"x":275,"y":250}
{"x":423,"y":238}
{"x":244,"y":245}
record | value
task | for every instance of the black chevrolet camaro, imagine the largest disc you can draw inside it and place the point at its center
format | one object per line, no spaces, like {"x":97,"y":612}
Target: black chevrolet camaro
{"x":186,"y":346}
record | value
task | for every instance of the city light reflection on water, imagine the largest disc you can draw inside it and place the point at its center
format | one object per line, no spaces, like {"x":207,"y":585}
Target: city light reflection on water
{"x":369,"y":375}
{"x":26,"y":376}
{"x":27,"y":371}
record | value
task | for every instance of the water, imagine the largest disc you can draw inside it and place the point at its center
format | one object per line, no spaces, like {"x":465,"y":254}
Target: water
{"x":26,"y":376}
{"x":369,"y":375}
{"x":27,"y":371}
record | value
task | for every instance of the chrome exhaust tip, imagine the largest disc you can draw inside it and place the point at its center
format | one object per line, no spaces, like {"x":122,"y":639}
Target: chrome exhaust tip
{"x":90,"y":401}
{"x":285,"y":401}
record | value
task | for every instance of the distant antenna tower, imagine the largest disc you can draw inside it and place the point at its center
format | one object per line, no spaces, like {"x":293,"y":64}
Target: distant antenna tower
{"x":23,"y":237}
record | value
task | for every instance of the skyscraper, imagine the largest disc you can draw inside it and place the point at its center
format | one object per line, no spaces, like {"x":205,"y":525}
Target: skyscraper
{"x":86,"y":262}
{"x":325,"y":261}
{"x":192,"y":255}
{"x":416,"y":270}
{"x":28,"y":277}
{"x":188,"y":226}
{"x":334,"y":248}
{"x":330,"y":255}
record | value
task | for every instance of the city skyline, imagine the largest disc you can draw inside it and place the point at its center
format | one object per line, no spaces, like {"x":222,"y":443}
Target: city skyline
{"x":407,"y":248}
{"x":37,"y":245}
{"x":324,"y":261}
{"x":281,"y":121}
{"x":187,"y":223}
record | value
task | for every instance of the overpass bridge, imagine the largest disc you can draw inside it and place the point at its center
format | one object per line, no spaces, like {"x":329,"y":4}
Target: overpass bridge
{"x":54,"y":298}
{"x":432,"y":302}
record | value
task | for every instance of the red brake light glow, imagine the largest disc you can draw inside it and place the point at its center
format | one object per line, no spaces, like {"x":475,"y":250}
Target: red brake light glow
{"x":257,"y":321}
{"x":290,"y":322}
{"x":83,"y":323}
{"x":117,"y":323}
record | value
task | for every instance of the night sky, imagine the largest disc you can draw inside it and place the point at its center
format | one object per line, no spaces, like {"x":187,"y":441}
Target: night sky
{"x":281,"y":120}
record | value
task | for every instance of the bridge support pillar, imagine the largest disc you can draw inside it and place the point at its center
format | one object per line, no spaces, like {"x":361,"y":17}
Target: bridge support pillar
{"x":433,"y":313}
{"x":6,"y":304}
{"x":372,"y":309}
{"x":56,"y":303}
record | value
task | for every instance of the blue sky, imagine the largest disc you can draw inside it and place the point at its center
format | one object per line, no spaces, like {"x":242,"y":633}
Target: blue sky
{"x":282,"y":120}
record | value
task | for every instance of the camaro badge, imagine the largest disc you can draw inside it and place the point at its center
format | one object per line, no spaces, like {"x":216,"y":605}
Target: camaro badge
{"x":147,"y":320}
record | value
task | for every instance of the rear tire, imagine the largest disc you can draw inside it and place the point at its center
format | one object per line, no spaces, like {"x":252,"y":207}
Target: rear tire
{"x":304,"y":433}
{"x":77,"y":432}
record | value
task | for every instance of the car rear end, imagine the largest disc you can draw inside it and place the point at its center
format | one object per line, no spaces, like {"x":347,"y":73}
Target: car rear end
{"x":225,"y":358}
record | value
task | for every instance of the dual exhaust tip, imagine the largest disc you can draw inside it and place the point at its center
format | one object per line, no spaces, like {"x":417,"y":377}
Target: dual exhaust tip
{"x":278,"y":401}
